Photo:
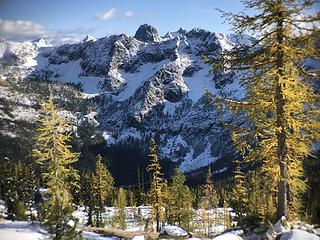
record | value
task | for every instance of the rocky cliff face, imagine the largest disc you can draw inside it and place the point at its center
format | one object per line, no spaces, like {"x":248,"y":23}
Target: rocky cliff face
{"x":148,"y":86}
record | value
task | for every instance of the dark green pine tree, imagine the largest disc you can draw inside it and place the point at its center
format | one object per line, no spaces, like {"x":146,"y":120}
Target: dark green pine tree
{"x":179,"y":203}
{"x":87,"y":196}
{"x":280,"y":103}
{"x":27,"y":186}
{"x":18,"y":185}
{"x":8,"y":186}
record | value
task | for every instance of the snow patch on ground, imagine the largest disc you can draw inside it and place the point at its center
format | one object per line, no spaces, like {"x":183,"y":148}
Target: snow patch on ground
{"x":200,"y":82}
{"x":173,"y":144}
{"x":109,"y":139}
{"x":135,"y":80}
{"x":202,"y":160}
{"x":71,"y":73}
{"x":20,"y":230}
{"x":228,"y":236}
{"x":94,"y":236}
{"x":170,"y":107}
{"x":129,"y":132}
{"x":297,"y":234}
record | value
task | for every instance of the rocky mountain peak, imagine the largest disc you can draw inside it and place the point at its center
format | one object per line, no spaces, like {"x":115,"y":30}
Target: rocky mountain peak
{"x":146,"y":90}
{"x":182,"y":30}
{"x":147,"y":33}
{"x":88,"y":38}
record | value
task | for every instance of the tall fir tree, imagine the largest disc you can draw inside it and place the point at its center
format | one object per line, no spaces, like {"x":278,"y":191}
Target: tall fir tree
{"x":209,"y":200}
{"x":210,"y":196}
{"x":239,"y":199}
{"x":86,"y":195}
{"x":102,"y":186}
{"x":179,"y":203}
{"x":119,"y":220}
{"x":53,"y":153}
{"x":156,"y":192}
{"x":280,"y":101}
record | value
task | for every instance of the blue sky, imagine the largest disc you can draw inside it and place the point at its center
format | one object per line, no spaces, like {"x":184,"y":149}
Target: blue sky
{"x":80,"y":17}
{"x":73,"y":19}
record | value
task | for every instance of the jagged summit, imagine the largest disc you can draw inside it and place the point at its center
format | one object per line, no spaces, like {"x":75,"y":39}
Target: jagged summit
{"x":180,"y":32}
{"x":147,"y":33}
{"x":42,"y":43}
{"x":88,"y":38}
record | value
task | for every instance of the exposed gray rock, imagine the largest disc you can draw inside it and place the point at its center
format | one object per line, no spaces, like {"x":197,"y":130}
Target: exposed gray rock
{"x":148,"y":87}
{"x":147,"y":33}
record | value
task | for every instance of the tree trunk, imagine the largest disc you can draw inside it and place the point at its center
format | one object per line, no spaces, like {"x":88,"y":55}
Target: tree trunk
{"x":89,"y":223}
{"x":280,"y":121}
{"x":157,"y":219}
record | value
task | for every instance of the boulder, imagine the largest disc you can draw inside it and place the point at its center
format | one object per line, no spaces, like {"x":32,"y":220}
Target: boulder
{"x":173,"y":231}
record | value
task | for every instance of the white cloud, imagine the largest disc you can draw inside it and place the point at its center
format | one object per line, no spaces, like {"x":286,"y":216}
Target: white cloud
{"x":26,"y":30}
{"x":21,"y":29}
{"x":128,"y":14}
{"x":104,"y":16}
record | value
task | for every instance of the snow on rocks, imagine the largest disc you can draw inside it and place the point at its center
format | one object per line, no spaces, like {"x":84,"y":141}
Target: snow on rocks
{"x":228,"y":236}
{"x":94,"y":236}
{"x":297,"y":234}
{"x":173,"y":231}
{"x":140,"y":237}
{"x":143,"y":82}
{"x":285,"y":230}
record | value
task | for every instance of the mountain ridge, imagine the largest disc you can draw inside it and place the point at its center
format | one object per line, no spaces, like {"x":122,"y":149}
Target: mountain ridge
{"x":148,"y":86}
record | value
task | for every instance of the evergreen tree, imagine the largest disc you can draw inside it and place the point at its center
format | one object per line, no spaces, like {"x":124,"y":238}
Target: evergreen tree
{"x":239,"y":199}
{"x":210,"y":197}
{"x":179,"y":204}
{"x":131,"y":198}
{"x":209,"y":200}
{"x":102,"y":186}
{"x":261,"y":196}
{"x":28,"y":185}
{"x":139,"y":193}
{"x":55,"y":157}
{"x":282,"y":117}
{"x":312,"y":196}
{"x":87,"y":196}
{"x":119,"y":220}
{"x":156,"y":193}
{"x":18,"y":185}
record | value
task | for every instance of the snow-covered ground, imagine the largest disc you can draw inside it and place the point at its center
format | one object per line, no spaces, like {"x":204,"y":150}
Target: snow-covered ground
{"x":94,"y":236}
{"x":20,"y":230}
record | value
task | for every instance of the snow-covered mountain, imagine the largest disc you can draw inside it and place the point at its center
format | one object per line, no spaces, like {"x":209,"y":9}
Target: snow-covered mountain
{"x":148,"y":86}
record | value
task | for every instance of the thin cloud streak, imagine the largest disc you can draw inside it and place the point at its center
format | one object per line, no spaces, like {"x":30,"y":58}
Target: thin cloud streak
{"x":128,"y":14}
{"x":104,"y":16}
